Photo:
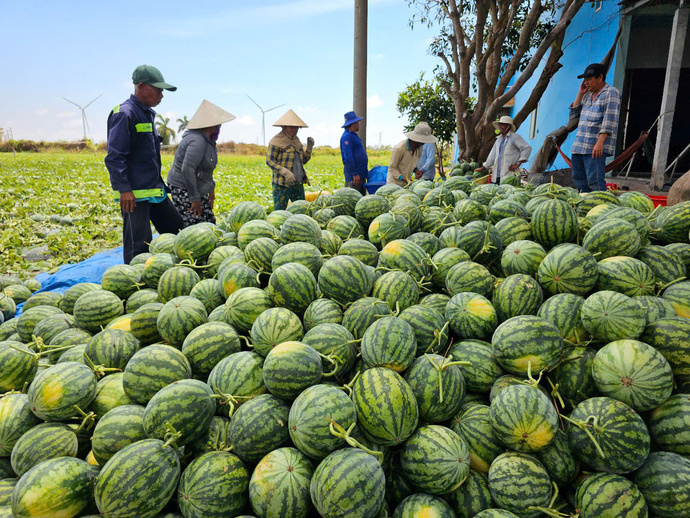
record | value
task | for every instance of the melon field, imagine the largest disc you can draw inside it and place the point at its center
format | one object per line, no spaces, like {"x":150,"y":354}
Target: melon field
{"x":445,"y":350}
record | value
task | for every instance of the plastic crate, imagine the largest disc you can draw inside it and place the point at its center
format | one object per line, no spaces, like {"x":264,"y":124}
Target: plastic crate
{"x":611,"y":186}
{"x":658,"y":200}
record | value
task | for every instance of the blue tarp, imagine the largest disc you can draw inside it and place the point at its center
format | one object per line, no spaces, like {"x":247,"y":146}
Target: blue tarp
{"x":378,"y":174}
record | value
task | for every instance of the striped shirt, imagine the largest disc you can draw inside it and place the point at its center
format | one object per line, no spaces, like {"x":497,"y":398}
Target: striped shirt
{"x":598,"y":115}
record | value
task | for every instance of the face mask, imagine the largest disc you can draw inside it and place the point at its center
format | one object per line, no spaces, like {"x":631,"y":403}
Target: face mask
{"x":215,"y":134}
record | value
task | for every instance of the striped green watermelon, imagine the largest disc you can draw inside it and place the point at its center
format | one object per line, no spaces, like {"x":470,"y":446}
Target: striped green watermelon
{"x":349,"y":482}
{"x":360,"y":249}
{"x":434,"y":219}
{"x":466,"y":211}
{"x":213,"y":485}
{"x":422,"y":504}
{"x":301,"y":228}
{"x":110,"y":393}
{"x":611,"y":237}
{"x":389,"y":342}
{"x":483,"y":370}
{"x":16,"y":418}
{"x":49,"y":327}
{"x":554,"y":222}
{"x":6,"y":489}
{"x":625,"y":275}
{"x":632,"y":216}
{"x":310,"y":418}
{"x":237,"y":276}
{"x":143,"y":323}
{"x":472,"y":497}
{"x":195,"y":242}
{"x":299,"y":207}
{"x":209,"y":343}
{"x":111,"y":348}
{"x":73,"y":293}
{"x":42,"y":442}
{"x":74,"y":354}
{"x":438,"y":385}
{"x":527,"y":343}
{"x":473,"y":425}
{"x":18,"y":365}
{"x":514,"y":229}
{"x":610,"y":316}
{"x":290,"y":368}
{"x":344,"y":279}
{"x":518,"y":481}
{"x":664,"y":481}
{"x":516,"y":295}
{"x":275,"y":326}
{"x":667,"y":265}
{"x":408,"y":220}
{"x":322,"y":311}
{"x":336,"y":341}
{"x":386,"y":228}
{"x":155,"y":266}
{"x":669,"y":336}
{"x":121,"y":279}
{"x":638,"y":201}
{"x":258,"y":427}
{"x":279,"y":485}
{"x":344,"y":200}
{"x":406,"y":256}
{"x":559,"y":460}
{"x":481,"y":240}
{"x":386,"y":406}
{"x":436,"y":301}
{"x":29,"y":319}
{"x":244,"y":306}
{"x":208,"y":292}
{"x":122,"y":323}
{"x":57,"y":487}
{"x":668,"y":425}
{"x":345,"y":227}
{"x":574,"y":375}
{"x":259,"y":253}
{"x":568,"y":269}
{"x":443,"y":261}
{"x":523,"y":418}
{"x":162,"y":244}
{"x":292,"y":286}
{"x":138,"y":481}
{"x":217,"y":256}
{"x":504,"y":209}
{"x":522,"y":256}
{"x":620,"y":434}
{"x":440,"y":196}
{"x":683,"y":251}
{"x":678,"y":295}
{"x":9,"y":327}
{"x":242,"y":213}
{"x":435,"y":459}
{"x":215,"y":438}
{"x":429,"y":242}
{"x":302,"y":253}
{"x":674,"y":223}
{"x":362,"y":313}
{"x":470,"y":315}
{"x":54,"y":392}
{"x":255,"y":229}
{"x":239,"y":376}
{"x":655,"y":308}
{"x":469,"y":276}
{"x":563,"y":311}
{"x":178,"y":317}
{"x":592,"y":199}
{"x":450,"y":237}
{"x":141,"y":297}
{"x":633,"y":372}
{"x":330,"y":243}
{"x":153,"y":368}
{"x":177,"y":281}
{"x":604,"y":494}
{"x":368,"y":208}
{"x":397,"y":288}
{"x":429,"y":327}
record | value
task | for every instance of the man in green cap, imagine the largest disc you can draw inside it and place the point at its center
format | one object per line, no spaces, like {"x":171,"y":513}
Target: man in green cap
{"x":134,"y":164}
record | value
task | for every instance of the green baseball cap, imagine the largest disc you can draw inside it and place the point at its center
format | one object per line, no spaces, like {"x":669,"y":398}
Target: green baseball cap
{"x":151,"y":76}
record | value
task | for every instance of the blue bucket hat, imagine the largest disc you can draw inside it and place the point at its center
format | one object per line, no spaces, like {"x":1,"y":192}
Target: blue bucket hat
{"x":351,"y":118}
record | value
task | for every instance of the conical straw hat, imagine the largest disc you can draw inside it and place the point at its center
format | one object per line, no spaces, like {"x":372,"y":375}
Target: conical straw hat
{"x":209,"y":115}
{"x":290,"y":118}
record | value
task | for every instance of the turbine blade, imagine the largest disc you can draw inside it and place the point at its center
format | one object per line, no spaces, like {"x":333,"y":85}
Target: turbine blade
{"x":275,"y":107}
{"x":72,"y":102}
{"x":257,"y":104}
{"x":85,"y":107}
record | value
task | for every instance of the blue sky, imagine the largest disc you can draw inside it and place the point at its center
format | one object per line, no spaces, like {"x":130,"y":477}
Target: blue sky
{"x":297,"y":52}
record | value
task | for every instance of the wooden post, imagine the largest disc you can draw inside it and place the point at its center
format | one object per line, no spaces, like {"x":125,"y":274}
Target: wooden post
{"x":668,"y":100}
{"x":360,"y":72}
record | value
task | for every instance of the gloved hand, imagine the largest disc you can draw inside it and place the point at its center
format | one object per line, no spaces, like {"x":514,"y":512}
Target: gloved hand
{"x":306,"y":179}
{"x":310,"y":144}
{"x":289,"y":177}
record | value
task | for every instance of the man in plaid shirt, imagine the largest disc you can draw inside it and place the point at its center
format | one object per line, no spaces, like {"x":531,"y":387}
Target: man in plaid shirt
{"x":598,"y":106}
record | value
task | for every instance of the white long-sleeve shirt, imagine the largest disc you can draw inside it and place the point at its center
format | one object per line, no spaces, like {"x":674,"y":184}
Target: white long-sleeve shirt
{"x":515,"y":150}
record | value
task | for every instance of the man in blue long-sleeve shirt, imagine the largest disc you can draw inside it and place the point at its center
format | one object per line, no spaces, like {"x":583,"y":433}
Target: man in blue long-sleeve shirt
{"x":134,"y":164}
{"x":355,"y":160}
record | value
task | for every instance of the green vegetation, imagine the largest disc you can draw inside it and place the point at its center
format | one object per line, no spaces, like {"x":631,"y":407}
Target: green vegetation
{"x":62,"y":202}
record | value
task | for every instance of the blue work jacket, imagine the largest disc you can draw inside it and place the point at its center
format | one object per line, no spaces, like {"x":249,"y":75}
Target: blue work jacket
{"x":355,"y":160}
{"x":134,"y":150}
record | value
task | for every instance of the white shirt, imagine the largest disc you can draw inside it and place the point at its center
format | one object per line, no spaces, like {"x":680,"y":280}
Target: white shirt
{"x":515,"y":150}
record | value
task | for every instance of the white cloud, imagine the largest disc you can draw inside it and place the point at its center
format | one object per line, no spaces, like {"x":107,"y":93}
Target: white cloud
{"x":306,"y":109}
{"x":66,"y":114}
{"x":244,"y":120}
{"x":42,"y":112}
{"x":374,"y":101}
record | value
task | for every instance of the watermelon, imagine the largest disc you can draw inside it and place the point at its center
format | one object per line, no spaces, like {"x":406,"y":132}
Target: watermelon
{"x":237,"y":378}
{"x":155,"y":266}
{"x":214,"y":438}
{"x":429,"y":327}
{"x":469,"y":276}
{"x":409,"y":219}
{"x":466,"y":211}
{"x":290,"y":368}
{"x":664,"y":481}
{"x":573,"y":375}
{"x":362,"y":313}
{"x":255,"y":229}
{"x":186,"y":405}
{"x":429,"y":242}
{"x":554,"y":222}
{"x":678,"y":295}
{"x":668,"y":425}
{"x":667,"y":266}
{"x":368,"y":208}
{"x":669,"y":336}
{"x":360,"y":249}
{"x":177,"y":281}
{"x":143,"y":323}
{"x":611,"y":237}
{"x":519,"y":482}
{"x":73,"y":354}
{"x":527,"y":343}
{"x":330,"y":243}
{"x":682,"y":250}
{"x":275,"y":326}
{"x":389,"y":342}
{"x":568,"y":269}
{"x":217,"y":256}
{"x":123,"y":280}
{"x":305,"y":254}
{"x":397,"y":288}
{"x":259,"y":253}
{"x":56,"y":487}
{"x":18,"y":365}
{"x":450,"y":237}
{"x":633,"y":372}
{"x":674,"y":223}
{"x":514,"y":229}
{"x":503,"y":209}
{"x":334,"y":341}
{"x":72,"y":294}
{"x":242,"y":213}
{"x":344,"y":279}
{"x":279,"y":485}
{"x":292,"y":286}
{"x":301,"y":228}
{"x":110,"y":393}
{"x":625,"y":275}
{"x":16,"y":418}
{"x":604,"y":494}
{"x":414,"y":505}
{"x":195,"y":242}
{"x":258,"y":427}
{"x":322,"y":311}
{"x":162,"y":243}
{"x":6,"y":489}
{"x":244,"y":306}
{"x":298,"y":207}
{"x":46,"y":298}
{"x":209,"y":343}
{"x":558,"y":460}
{"x":344,"y":201}
{"x":481,"y":240}
{"x":119,"y":492}
{"x":638,"y":201}
{"x":444,"y":260}
{"x":406,"y":256}
{"x":436,"y":301}
{"x":29,"y":319}
{"x":386,"y":228}
{"x":111,"y":348}
{"x":523,"y":418}
{"x":592,"y":199}
{"x":153,"y":368}
{"x":619,"y":432}
{"x":178,"y":317}
{"x":142,"y":297}
{"x":518,"y":294}
{"x":438,"y":385}
{"x":563,"y":311}
{"x":470,"y":315}
{"x":213,"y":485}
{"x":54,"y":392}
{"x":18,"y":292}
{"x":482,"y":371}
{"x":472,"y":497}
{"x":237,"y":276}
{"x":610,"y":316}
{"x":345,"y":227}
{"x":386,"y":406}
{"x":440,"y":196}
{"x":473,"y":425}
{"x":655,"y":308}
{"x":310,"y":417}
{"x":42,"y":442}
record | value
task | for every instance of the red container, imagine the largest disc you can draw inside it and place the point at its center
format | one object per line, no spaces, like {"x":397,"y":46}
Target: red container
{"x":658,"y":200}
{"x":611,"y":186}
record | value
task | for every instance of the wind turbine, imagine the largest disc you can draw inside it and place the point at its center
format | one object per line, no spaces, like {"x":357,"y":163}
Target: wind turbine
{"x":263,"y":117}
{"x":84,"y":121}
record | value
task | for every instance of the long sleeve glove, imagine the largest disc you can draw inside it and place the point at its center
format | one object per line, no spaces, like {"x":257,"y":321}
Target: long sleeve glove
{"x":289,"y":177}
{"x":310,"y":144}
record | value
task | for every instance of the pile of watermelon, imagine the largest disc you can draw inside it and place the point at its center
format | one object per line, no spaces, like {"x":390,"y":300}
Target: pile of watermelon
{"x":443,"y":350}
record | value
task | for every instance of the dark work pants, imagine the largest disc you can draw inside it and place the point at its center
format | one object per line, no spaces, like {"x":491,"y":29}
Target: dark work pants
{"x":361,"y":188}
{"x":136,"y":228}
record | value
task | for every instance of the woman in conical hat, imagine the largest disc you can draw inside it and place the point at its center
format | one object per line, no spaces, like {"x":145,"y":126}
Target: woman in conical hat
{"x":286,"y":157}
{"x":191,"y":176}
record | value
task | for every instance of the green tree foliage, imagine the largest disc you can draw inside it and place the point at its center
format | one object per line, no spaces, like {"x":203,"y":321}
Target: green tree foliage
{"x":183,"y":122}
{"x":164,"y":130}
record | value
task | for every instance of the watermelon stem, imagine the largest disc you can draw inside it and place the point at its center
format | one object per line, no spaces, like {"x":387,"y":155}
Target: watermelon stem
{"x":235,"y":400}
{"x":99,"y":370}
{"x":662,"y":288}
{"x":591,"y":421}
{"x":554,"y":392}
{"x":348,"y":386}
{"x":334,"y":360}
{"x":440,"y":368}
{"x":171,"y":435}
{"x":550,"y":511}
{"x":341,"y":433}
{"x":87,"y":422}
{"x":437,"y":337}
